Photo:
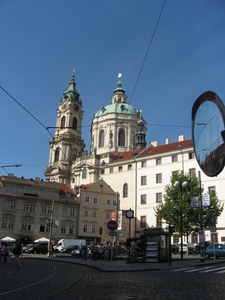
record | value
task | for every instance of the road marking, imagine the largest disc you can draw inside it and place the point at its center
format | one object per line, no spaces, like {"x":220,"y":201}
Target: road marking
{"x":213,"y":270}
{"x":199,"y":269}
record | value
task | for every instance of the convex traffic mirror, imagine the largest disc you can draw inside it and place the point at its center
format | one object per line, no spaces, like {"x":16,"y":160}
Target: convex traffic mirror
{"x":208,"y":123}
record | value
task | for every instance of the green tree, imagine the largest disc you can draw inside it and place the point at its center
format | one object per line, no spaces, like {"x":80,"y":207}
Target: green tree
{"x":170,"y":209}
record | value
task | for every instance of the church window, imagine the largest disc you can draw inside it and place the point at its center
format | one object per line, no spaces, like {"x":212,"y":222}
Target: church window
{"x":125,"y":190}
{"x":121,"y":138}
{"x":57,"y":151}
{"x":84,"y":173}
{"x":101,"y":138}
{"x":63,"y":122}
{"x":74,"y":123}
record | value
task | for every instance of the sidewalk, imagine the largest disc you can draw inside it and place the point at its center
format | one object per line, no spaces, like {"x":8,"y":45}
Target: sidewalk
{"x":122,"y":265}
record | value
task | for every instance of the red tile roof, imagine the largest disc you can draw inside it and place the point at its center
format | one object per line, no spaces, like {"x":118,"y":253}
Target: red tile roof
{"x":150,"y":150}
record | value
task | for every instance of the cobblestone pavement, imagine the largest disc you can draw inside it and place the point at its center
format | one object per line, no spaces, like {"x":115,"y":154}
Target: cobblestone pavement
{"x":109,"y":280}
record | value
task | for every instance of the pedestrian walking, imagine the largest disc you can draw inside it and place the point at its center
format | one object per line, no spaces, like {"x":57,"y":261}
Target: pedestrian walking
{"x":17,"y":252}
{"x":100,"y":252}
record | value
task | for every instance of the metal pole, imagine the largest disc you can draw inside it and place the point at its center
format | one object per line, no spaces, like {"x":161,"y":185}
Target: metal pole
{"x":200,"y":201}
{"x":50,"y":232}
{"x":181,"y":221}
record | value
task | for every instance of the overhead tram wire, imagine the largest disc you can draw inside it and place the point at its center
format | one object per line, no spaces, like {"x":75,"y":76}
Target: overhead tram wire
{"x":46,"y":128}
{"x":150,"y":43}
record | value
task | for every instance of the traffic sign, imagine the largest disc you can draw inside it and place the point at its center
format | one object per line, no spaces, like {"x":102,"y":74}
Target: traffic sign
{"x":112,"y":225}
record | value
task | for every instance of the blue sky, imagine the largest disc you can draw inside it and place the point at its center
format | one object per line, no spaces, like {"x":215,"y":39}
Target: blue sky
{"x":43,"y":41}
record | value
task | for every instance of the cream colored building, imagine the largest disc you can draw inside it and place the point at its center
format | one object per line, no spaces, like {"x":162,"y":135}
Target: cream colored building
{"x":30,"y":207}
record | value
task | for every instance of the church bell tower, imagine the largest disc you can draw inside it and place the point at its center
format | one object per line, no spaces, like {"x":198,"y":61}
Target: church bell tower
{"x":67,"y":143}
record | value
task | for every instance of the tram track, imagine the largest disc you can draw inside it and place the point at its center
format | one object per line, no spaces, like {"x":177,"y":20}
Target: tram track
{"x":53,"y":279}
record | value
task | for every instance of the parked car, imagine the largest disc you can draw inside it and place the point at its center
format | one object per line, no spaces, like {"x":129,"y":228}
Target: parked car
{"x":187,"y":247}
{"x":38,"y":248}
{"x":174,"y":248}
{"x":219,"y":250}
{"x":75,"y":252}
{"x":121,"y":250}
{"x":69,"y":249}
{"x":11,"y":247}
{"x":25,"y":247}
{"x":197,"y":247}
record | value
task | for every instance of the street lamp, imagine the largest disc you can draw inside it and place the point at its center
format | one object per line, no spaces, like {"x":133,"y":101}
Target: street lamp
{"x":181,"y":184}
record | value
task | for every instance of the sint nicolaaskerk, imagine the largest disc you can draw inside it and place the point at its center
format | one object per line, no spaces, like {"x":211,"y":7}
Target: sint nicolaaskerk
{"x":119,"y":154}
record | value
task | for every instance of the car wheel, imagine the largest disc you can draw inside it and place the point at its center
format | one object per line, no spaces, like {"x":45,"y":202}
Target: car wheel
{"x":207,"y":255}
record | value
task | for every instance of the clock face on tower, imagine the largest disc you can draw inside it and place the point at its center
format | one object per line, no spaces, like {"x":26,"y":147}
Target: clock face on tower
{"x":129,"y":214}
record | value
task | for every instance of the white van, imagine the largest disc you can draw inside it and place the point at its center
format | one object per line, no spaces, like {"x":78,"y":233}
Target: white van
{"x":64,"y":243}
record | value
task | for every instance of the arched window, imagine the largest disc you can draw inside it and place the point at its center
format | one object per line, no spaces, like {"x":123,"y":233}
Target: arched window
{"x":74,"y":123}
{"x":125,"y":190}
{"x":84,"y":173}
{"x":101,"y":138}
{"x":121,"y":137}
{"x":57,"y":151}
{"x":63,"y":122}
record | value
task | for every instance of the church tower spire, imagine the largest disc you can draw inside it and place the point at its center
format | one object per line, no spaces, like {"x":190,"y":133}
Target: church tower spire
{"x":67,"y":143}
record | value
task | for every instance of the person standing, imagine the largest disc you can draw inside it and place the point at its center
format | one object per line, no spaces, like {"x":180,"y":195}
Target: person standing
{"x":6,"y":252}
{"x":17,"y":252}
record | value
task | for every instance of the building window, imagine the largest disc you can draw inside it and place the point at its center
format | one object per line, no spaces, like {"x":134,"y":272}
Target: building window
{"x":45,"y":227}
{"x":211,"y":189}
{"x":101,"y":138}
{"x":143,"y":222}
{"x":174,"y":158}
{"x":93,"y":229}
{"x":71,"y":229}
{"x":108,"y":202}
{"x":87,"y":199}
{"x":29,"y":208}
{"x":84,"y":173}
{"x":74,"y":123}
{"x":121,"y":137}
{"x":158,"y":222}
{"x":125,"y":190}
{"x":158,"y":197}
{"x":129,"y":167}
{"x":85,"y":228}
{"x":143,"y":180}
{"x":158,"y":161}
{"x":191,"y":155}
{"x":107,"y":215}
{"x":94,"y":214}
{"x":174,"y":173}
{"x":95,"y":200}
{"x":72,"y":212}
{"x":7,"y":224}
{"x":143,"y":164}
{"x":64,"y":211}
{"x":26,"y":226}
{"x":120,"y":169}
{"x":57,"y":151}
{"x":192,"y":172}
{"x":194,"y":238}
{"x":86,"y":213}
{"x":9,"y":205}
{"x":159,"y":178}
{"x":63,"y":122}
{"x":111,"y":170}
{"x":63,"y":229}
{"x":143,"y":199}
{"x":102,"y":171}
{"x":114,"y":202}
{"x":46,"y":209}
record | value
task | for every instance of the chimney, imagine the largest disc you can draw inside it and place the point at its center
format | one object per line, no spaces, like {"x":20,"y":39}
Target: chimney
{"x":167,"y":141}
{"x":181,"y":138}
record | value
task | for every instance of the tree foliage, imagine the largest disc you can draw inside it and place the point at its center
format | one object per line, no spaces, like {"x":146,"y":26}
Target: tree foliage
{"x":170,"y":210}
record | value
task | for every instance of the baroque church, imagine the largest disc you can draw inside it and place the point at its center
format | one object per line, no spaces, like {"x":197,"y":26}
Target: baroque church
{"x":117,"y":127}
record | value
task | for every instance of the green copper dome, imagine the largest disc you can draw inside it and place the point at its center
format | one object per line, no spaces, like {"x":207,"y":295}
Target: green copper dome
{"x":118,"y":108}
